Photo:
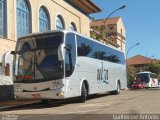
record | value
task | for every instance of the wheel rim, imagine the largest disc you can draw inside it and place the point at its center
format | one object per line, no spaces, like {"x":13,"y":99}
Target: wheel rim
{"x":118,"y":88}
{"x":85,"y":92}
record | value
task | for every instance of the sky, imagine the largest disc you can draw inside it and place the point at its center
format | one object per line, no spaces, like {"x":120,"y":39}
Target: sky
{"x":141,"y":19}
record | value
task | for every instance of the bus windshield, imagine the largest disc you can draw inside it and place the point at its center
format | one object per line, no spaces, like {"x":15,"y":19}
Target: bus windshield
{"x":144,"y":77}
{"x":37,"y":59}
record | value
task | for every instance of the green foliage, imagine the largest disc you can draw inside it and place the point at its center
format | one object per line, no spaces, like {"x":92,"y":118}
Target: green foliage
{"x":98,"y":33}
{"x":154,"y":67}
{"x":131,"y":74}
{"x":158,"y":76}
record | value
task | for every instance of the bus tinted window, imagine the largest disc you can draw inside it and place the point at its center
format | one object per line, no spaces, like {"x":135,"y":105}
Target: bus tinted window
{"x":26,"y":46}
{"x":144,"y":77}
{"x":84,"y":47}
{"x":89,"y":48}
{"x":153,"y":75}
{"x":70,"y":54}
{"x":49,"y":41}
{"x":70,"y":43}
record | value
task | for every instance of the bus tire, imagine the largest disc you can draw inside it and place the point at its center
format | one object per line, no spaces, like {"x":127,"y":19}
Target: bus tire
{"x":116,"y":92}
{"x":44,"y":102}
{"x":83,"y":96}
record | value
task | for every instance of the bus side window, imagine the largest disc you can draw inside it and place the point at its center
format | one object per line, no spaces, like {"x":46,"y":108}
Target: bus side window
{"x":68,"y":63}
{"x":70,"y":54}
{"x":7,"y":70}
{"x":151,"y":75}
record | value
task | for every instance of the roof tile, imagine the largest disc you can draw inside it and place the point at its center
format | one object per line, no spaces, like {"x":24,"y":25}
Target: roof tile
{"x":100,"y":22}
{"x":138,"y":60}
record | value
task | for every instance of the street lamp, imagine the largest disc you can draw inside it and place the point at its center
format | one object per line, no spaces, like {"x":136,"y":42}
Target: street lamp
{"x":126,"y":61}
{"x":131,"y":48}
{"x":152,"y":56}
{"x":122,"y":7}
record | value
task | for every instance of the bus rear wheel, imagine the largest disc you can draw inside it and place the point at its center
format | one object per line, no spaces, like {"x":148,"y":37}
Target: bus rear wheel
{"x":83,"y":96}
{"x":117,"y":91}
{"x":44,"y":102}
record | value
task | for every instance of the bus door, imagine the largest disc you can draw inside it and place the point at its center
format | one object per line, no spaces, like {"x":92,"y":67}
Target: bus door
{"x":70,"y":61}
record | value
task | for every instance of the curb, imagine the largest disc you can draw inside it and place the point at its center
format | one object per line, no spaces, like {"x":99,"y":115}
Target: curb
{"x":7,"y":108}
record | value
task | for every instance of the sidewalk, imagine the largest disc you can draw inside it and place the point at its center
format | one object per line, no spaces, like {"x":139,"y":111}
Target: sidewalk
{"x":17,"y":102}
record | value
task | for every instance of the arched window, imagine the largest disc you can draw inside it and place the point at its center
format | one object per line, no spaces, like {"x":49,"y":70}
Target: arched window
{"x":26,"y":46}
{"x":2,"y":17}
{"x":59,"y":23}
{"x":23,"y":18}
{"x":72,"y":27}
{"x":43,"y":20}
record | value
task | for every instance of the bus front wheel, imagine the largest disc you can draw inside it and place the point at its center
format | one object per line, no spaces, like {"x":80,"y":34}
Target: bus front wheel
{"x":117,"y":91}
{"x":44,"y":102}
{"x":83,"y":96}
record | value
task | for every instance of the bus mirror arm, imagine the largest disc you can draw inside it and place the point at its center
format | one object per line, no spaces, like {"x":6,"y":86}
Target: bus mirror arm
{"x":68,"y":48}
{"x":61,"y":52}
{"x":13,"y":52}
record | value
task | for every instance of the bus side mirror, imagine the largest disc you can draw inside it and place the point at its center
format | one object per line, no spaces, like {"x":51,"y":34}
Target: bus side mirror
{"x":61,"y":52}
{"x":13,"y":52}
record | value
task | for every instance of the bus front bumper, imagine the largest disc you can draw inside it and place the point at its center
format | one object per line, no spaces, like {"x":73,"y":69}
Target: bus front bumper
{"x":40,"y":95}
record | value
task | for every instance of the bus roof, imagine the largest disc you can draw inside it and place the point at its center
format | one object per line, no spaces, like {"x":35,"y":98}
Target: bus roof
{"x":66,"y":31}
{"x":145,"y":72}
{"x":39,"y":33}
{"x":94,"y":40}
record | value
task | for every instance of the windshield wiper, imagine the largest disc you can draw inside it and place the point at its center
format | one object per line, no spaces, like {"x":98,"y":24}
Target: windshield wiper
{"x":42,"y":73}
{"x":36,"y":64}
{"x":28,"y":69}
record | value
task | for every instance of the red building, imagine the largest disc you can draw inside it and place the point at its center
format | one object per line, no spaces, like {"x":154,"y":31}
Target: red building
{"x":138,"y":62}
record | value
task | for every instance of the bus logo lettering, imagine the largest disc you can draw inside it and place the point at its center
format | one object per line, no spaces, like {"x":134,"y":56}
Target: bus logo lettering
{"x":102,"y":74}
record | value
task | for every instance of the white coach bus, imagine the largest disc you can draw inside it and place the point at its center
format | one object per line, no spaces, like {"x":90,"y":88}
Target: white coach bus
{"x":149,"y":79}
{"x":65,"y":64}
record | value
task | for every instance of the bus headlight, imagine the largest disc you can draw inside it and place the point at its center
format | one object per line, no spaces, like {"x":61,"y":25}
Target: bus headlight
{"x":60,"y":94}
{"x":56,"y":86}
{"x":18,"y":90}
{"x":17,"y":85}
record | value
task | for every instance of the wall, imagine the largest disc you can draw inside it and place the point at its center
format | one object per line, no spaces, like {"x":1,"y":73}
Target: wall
{"x":121,"y":30}
{"x":7,"y":43}
{"x":54,"y":7}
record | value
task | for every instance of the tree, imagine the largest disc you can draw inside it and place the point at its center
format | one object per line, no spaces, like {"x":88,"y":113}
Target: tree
{"x":131,"y":74}
{"x":96,"y":33}
{"x":154,"y":67}
{"x":99,"y":55}
{"x":99,"y":33}
{"x":84,"y":49}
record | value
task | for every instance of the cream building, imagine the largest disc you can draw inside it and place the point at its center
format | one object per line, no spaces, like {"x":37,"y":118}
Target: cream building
{"x":115,"y":31}
{"x":21,"y":17}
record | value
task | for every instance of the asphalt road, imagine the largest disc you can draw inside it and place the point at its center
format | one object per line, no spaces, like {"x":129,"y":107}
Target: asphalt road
{"x":129,"y":102}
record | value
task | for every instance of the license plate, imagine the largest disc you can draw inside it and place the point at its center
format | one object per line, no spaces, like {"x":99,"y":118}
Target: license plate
{"x":36,"y":95}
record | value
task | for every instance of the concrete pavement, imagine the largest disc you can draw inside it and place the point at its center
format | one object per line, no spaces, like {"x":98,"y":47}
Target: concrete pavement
{"x":128,"y":102}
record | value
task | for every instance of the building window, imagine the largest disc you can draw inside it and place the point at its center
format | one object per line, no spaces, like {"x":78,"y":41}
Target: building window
{"x":72,"y":27}
{"x":43,"y":20}
{"x":121,"y":40}
{"x":2,"y":17}
{"x":23,"y":18}
{"x":7,"y":70}
{"x":59,"y":23}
